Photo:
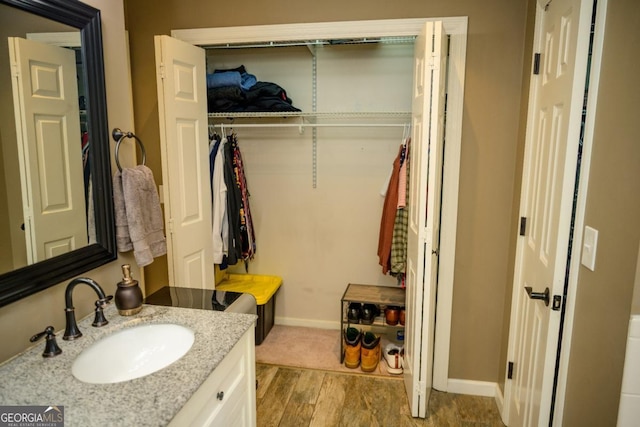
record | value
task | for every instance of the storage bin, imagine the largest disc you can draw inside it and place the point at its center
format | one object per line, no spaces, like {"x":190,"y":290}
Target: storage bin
{"x":263,"y":288}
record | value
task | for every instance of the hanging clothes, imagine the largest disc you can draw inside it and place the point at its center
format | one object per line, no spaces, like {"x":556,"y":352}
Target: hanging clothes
{"x":233,"y":232}
{"x":246,"y":223}
{"x":392,"y":241}
{"x":220,"y":228}
{"x":401,"y":223}
{"x":389,"y":208}
{"x":88,"y":189}
{"x":234,"y":198}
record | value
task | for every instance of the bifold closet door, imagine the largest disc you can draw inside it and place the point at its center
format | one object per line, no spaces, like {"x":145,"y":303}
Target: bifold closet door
{"x":182,"y":106}
{"x":425,"y":190}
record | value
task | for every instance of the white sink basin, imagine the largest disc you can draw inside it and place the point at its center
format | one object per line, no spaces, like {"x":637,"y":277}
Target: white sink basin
{"x":132,"y":353}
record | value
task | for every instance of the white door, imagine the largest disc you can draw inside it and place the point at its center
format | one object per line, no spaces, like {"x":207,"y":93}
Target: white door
{"x":426,"y":152}
{"x":45,"y":92}
{"x":182,"y":106}
{"x":553,"y":132}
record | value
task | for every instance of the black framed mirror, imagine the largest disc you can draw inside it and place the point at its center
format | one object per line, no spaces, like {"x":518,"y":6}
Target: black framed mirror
{"x":27,"y":280}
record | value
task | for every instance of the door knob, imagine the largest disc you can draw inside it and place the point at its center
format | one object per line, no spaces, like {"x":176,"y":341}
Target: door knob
{"x":538,"y":295}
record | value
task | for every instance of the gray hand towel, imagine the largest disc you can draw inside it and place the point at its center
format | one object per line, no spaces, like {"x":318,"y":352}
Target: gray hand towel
{"x":123,"y":240}
{"x":143,"y":215}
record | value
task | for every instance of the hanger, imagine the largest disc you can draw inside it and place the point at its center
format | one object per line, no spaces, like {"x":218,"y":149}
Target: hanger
{"x":406,"y":133}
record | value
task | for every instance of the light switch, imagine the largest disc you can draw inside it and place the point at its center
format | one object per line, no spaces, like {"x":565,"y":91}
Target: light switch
{"x":589,"y":246}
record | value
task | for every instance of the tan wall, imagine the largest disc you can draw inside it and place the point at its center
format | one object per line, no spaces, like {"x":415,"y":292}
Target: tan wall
{"x":489,"y":146}
{"x":603,"y":300}
{"x":515,"y":214}
{"x":22,"y":319}
{"x":635,"y":306}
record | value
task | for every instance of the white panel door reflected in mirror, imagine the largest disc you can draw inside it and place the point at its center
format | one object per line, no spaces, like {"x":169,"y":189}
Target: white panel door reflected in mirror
{"x":50,"y":148}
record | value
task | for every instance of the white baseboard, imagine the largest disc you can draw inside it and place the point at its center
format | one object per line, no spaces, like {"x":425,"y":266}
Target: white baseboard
{"x":475,"y":388}
{"x":307,"y":323}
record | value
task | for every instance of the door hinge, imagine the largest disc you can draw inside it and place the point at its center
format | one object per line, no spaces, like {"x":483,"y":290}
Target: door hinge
{"x":536,"y":63}
{"x":420,"y":388}
{"x":557,"y":302}
{"x":510,"y":371}
{"x":170,"y":226}
{"x":161,"y":71}
{"x":433,"y":62}
{"x":14,"y":70}
{"x":523,"y":225}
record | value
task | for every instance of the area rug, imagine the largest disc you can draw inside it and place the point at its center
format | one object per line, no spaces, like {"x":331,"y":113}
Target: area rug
{"x":309,"y":348}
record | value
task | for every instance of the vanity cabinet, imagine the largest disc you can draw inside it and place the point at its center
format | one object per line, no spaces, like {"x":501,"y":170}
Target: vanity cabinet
{"x":228,"y":395}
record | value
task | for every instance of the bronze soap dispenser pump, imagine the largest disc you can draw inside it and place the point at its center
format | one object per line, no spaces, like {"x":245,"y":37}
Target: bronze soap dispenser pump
{"x":129,"y":295}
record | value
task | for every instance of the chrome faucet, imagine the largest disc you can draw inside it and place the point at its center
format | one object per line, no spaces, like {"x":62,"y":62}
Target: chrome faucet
{"x":71,"y":331}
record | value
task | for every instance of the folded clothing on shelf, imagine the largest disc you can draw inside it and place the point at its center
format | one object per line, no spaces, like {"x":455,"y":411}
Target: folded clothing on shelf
{"x":237,"y":91}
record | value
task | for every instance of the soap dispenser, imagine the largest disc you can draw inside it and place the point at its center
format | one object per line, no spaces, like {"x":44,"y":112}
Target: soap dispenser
{"x":128,"y":296}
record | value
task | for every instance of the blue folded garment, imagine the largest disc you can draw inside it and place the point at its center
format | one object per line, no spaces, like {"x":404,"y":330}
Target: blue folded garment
{"x":228,"y":78}
{"x":223,"y":78}
{"x":248,"y":81}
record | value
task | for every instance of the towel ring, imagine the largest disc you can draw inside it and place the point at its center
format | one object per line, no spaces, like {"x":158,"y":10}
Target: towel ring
{"x":118,"y":136}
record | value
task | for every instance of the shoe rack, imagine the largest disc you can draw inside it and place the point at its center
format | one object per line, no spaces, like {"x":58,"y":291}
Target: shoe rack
{"x":382,"y":296}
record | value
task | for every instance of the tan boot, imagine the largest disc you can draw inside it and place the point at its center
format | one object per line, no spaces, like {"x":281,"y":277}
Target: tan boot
{"x":352,"y":347}
{"x":369,"y":352}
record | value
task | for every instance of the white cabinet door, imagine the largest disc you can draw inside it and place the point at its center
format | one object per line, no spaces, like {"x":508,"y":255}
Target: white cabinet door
{"x":182,"y":106}
{"x":228,"y":396}
{"x":45,"y":92}
{"x":426,"y":152}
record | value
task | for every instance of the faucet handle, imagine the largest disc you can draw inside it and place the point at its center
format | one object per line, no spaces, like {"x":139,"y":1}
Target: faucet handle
{"x":51,"y":347}
{"x":99,"y":319}
{"x":104,"y":301}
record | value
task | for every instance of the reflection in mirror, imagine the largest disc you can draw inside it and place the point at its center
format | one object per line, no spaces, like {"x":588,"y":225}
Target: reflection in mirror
{"x":56,"y":212}
{"x":46,"y":213}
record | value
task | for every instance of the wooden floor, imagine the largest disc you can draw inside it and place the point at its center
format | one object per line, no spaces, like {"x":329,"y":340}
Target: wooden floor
{"x":304,"y":397}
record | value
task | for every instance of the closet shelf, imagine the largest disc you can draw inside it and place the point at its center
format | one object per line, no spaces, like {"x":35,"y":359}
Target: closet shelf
{"x":310,"y":116}
{"x":314,"y":120}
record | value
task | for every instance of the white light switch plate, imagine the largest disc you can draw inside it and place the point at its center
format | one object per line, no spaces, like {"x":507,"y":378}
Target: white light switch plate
{"x":589,"y":246}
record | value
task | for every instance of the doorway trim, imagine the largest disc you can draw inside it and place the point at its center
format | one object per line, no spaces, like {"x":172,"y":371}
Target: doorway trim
{"x":456,"y":28}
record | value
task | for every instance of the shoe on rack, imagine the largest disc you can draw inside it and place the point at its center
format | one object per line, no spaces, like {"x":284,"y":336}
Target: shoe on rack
{"x":369,"y":352}
{"x":369,"y":313}
{"x":355,"y":312}
{"x":353,"y":343}
{"x":393,"y":355}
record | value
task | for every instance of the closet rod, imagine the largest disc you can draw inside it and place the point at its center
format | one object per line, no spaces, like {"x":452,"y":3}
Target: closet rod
{"x":301,"y":125}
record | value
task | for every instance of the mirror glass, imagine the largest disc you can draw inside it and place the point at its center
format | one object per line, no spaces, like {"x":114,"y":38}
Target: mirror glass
{"x":56,"y":213}
{"x":22,"y":237}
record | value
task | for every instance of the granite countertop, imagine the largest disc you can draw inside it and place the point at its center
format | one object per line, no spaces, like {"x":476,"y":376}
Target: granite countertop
{"x":30,"y":379}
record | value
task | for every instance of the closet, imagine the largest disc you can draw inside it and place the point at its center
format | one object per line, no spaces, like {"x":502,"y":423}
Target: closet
{"x":315,"y":177}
